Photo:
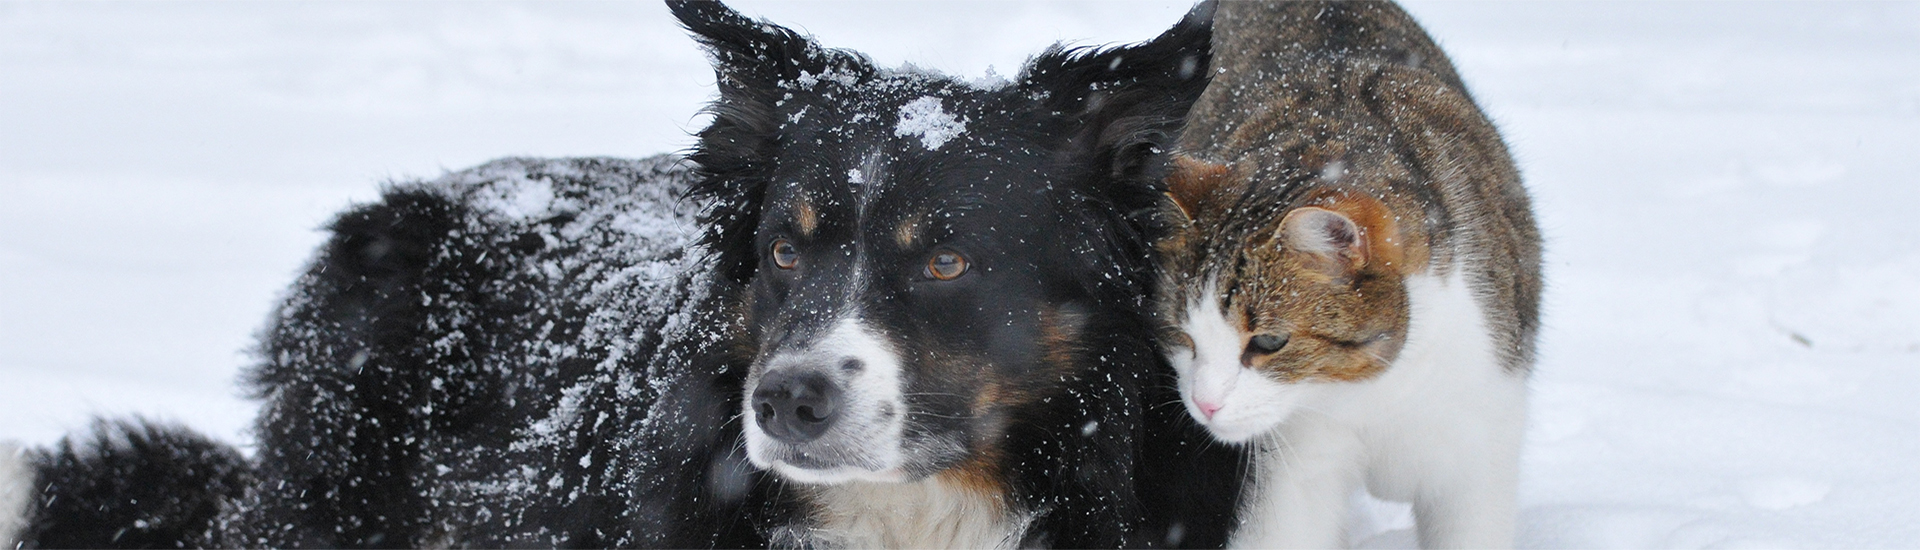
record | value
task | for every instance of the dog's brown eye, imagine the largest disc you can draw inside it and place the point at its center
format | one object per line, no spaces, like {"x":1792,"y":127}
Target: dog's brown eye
{"x":785,"y":256}
{"x":946,"y":266}
{"x":1267,"y":343}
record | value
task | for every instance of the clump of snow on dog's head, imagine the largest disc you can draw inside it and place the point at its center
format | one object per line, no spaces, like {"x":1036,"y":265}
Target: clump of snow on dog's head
{"x":925,"y":117}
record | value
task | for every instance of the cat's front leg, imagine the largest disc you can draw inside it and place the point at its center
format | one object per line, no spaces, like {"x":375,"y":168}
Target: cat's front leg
{"x":1470,"y":517}
{"x":1468,"y":499}
{"x":1305,"y":472}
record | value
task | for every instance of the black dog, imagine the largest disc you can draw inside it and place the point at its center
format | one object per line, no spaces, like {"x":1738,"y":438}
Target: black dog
{"x":941,"y":284}
{"x":919,"y":304}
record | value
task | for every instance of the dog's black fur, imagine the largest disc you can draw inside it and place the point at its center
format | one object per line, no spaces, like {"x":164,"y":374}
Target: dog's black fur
{"x":130,"y":484}
{"x":465,"y":365}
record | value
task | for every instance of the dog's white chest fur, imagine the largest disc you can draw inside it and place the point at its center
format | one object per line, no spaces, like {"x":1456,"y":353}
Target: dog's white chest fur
{"x":924,"y":514}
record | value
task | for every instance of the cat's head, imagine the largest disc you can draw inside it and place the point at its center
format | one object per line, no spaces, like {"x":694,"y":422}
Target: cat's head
{"x":1274,"y":292}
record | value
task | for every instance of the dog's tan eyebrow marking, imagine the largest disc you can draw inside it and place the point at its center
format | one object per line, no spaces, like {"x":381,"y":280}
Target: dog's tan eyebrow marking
{"x":908,"y":232}
{"x":804,"y":216}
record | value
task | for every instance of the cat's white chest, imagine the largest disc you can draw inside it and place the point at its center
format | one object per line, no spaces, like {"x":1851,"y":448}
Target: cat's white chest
{"x":1444,"y":404}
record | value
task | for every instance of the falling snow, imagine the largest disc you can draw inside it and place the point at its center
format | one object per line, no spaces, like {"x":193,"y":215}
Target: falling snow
{"x":1730,"y":324}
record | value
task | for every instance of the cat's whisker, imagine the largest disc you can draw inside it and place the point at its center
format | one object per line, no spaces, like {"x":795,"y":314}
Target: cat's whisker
{"x":1315,"y":410}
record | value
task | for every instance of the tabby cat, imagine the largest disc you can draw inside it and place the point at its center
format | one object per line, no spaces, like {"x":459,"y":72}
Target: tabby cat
{"x":1352,"y":276}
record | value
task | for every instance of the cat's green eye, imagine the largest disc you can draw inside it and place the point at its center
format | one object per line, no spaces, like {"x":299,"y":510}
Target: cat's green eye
{"x":1267,"y":343}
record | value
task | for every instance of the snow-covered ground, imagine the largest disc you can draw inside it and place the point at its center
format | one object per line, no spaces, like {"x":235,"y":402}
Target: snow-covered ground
{"x":1733,"y":324}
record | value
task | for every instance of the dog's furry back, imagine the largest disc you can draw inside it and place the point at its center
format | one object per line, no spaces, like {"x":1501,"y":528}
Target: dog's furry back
{"x":483,"y":359}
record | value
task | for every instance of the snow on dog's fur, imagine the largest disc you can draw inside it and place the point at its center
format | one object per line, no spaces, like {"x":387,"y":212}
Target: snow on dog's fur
{"x":877,"y":308}
{"x":524,"y":353}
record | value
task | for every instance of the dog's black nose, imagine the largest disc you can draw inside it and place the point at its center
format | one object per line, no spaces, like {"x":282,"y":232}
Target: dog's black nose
{"x":795,"y":407}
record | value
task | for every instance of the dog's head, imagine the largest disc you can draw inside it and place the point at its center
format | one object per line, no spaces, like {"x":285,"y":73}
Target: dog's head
{"x":919,"y":257}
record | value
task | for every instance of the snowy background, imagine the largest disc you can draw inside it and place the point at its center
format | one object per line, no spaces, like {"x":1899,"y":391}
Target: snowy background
{"x":1732,"y":351}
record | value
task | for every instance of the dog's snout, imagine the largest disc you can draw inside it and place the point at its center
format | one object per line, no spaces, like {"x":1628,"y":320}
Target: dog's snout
{"x":796,"y":405}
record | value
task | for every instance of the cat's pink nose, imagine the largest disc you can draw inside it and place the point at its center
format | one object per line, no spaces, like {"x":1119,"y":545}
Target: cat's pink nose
{"x":1207,"y":408}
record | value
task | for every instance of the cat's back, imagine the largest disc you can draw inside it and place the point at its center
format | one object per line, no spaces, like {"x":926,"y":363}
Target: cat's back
{"x":1268,"y":52}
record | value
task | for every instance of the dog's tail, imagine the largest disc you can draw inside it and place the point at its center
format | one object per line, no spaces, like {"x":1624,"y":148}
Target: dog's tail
{"x":125,"y":484}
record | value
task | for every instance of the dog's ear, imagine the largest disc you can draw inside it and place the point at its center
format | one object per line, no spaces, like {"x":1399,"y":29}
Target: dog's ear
{"x":756,"y":65}
{"x":761,"y":61}
{"x":1125,"y":105}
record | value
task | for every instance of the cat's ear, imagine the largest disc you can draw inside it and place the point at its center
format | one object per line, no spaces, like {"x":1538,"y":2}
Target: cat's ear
{"x":1328,"y":241}
{"x":1191,"y":181}
{"x":1344,"y":232}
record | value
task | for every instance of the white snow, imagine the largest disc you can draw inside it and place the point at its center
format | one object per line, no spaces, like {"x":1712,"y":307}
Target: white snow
{"x":808,"y":80}
{"x":1732,"y":339}
{"x":926,"y":118}
{"x":525,"y":201}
